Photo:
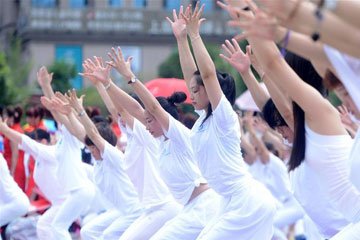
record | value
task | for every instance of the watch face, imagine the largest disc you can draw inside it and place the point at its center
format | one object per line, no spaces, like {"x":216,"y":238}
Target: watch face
{"x":133,"y":80}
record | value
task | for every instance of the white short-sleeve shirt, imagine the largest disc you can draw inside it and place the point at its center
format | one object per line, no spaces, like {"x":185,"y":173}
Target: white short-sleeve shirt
{"x":216,"y":146}
{"x":68,"y":153}
{"x":142,"y":166}
{"x":113,"y":181}
{"x":274,"y":176}
{"x":45,"y":170}
{"x":355,"y":161}
{"x":177,"y":166}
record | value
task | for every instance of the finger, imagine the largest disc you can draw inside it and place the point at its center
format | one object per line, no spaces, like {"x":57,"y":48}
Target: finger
{"x":82,"y":97}
{"x":115,"y":54}
{"x":242,"y":24}
{"x":248,"y":50}
{"x":181,"y":9}
{"x":222,"y":5}
{"x":111,"y":57}
{"x":236,"y":45}
{"x":169,"y":20}
{"x":185,"y":17}
{"x":174,"y":15}
{"x":230,"y":46}
{"x":227,"y":51}
{"x":241,"y":36}
{"x":108,"y":67}
{"x":90,"y":62}
{"x":97,"y":63}
{"x":202,"y":20}
{"x":120,"y":53}
{"x":51,"y":75}
{"x":111,"y":64}
{"x":100,"y":61}
{"x":200,"y":11}
{"x":130,"y":59}
{"x":225,"y":58}
{"x":196,"y":9}
{"x":187,"y":11}
{"x":252,"y":5}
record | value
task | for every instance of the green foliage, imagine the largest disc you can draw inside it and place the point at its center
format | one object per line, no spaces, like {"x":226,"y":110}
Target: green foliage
{"x":63,"y":72}
{"x":333,"y":98}
{"x":13,"y":74}
{"x":171,"y":66}
{"x":92,"y":98}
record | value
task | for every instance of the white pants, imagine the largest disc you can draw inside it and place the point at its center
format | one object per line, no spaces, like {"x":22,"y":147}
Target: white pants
{"x":246,"y":214}
{"x":192,"y":219}
{"x":13,"y":209}
{"x":43,"y":227}
{"x":75,"y":204}
{"x":350,"y":232}
{"x":108,"y":226}
{"x":151,"y":221}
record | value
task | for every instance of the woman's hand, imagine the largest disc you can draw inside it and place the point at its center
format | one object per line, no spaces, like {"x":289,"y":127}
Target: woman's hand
{"x":235,"y":56}
{"x":193,"y":20}
{"x":118,"y":62}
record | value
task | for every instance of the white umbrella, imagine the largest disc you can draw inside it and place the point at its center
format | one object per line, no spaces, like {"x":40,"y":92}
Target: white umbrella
{"x":246,"y":102}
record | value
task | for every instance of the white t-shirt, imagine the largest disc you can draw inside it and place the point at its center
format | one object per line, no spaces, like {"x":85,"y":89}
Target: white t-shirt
{"x":321,"y":183}
{"x":216,"y":146}
{"x":274,"y":176}
{"x":177,"y":166}
{"x":68,"y":153}
{"x":9,"y":190}
{"x":45,"y":169}
{"x":113,"y":181}
{"x":141,"y":160}
{"x":355,"y":161}
{"x":348,"y":70}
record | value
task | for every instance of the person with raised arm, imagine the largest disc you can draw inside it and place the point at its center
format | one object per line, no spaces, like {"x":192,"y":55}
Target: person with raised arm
{"x":141,"y":157}
{"x":321,"y":147}
{"x":215,"y":140}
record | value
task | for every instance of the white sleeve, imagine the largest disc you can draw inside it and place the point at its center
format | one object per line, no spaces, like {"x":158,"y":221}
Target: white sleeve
{"x":178,"y":133}
{"x":113,"y":156}
{"x":283,"y":180}
{"x":225,"y":117}
{"x":350,"y":76}
{"x":142,"y":136}
{"x":36,"y":149}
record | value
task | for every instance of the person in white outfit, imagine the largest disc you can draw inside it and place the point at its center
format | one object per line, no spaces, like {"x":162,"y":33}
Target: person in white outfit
{"x":177,"y":165}
{"x":141,"y":158}
{"x":109,"y":171}
{"x":13,"y":201}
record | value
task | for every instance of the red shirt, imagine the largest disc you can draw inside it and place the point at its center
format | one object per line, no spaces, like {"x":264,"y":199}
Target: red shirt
{"x":7,"y":147}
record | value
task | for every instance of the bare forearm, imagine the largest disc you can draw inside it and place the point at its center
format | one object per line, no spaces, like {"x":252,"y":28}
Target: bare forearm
{"x":107,"y":100}
{"x":77,"y":129}
{"x":47,"y":90}
{"x":14,"y":157}
{"x":204,"y":61}
{"x":187,"y":62}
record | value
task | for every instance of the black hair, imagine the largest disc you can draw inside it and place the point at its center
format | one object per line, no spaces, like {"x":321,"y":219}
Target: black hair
{"x":227,"y":85}
{"x":39,"y":134}
{"x":1,"y":109}
{"x":134,"y":96}
{"x":105,"y":132}
{"x":15,"y":111}
{"x":100,"y":119}
{"x":271,"y":148}
{"x":189,"y":120}
{"x":35,"y":111}
{"x":168,"y":104}
{"x":304,"y":69}
{"x":271,"y":115}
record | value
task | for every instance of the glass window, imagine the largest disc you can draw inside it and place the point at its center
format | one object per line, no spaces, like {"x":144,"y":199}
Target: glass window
{"x":78,"y":3}
{"x":172,"y":4}
{"x":71,"y":54}
{"x":115,"y":3}
{"x":139,"y":3}
{"x":43,"y":3}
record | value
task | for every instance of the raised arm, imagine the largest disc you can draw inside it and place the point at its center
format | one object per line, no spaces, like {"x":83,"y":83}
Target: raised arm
{"x":205,"y":64}
{"x":241,"y":62}
{"x":187,"y":62}
{"x":250,"y":150}
{"x":13,"y":135}
{"x":90,"y":128}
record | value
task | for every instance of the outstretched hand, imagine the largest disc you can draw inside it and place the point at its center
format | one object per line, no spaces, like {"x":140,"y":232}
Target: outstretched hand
{"x":46,"y":102}
{"x":193,"y":20}
{"x":235,"y":56}
{"x":178,"y":24}
{"x":254,"y":61}
{"x":61,"y":104}
{"x":118,"y":62}
{"x":43,"y":76}
{"x":95,"y":72}
{"x":74,"y":101}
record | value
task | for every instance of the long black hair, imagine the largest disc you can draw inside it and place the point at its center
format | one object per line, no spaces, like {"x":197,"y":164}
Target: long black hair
{"x":227,"y":85}
{"x":168,"y":104}
{"x":304,"y":69}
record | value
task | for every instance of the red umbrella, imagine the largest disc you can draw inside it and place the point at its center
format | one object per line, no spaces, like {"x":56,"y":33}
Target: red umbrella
{"x":164,"y":87}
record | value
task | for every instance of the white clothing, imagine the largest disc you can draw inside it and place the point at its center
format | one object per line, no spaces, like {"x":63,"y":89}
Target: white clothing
{"x":332,"y":200}
{"x":192,"y":219}
{"x":151,"y":221}
{"x":310,"y":230}
{"x":70,"y":173}
{"x":177,"y":163}
{"x":348,"y":70}
{"x":274,"y":176}
{"x":355,"y":161}
{"x":352,"y":231}
{"x":109,"y":225}
{"x":114,"y":183}
{"x":43,"y":227}
{"x":141,"y":159}
{"x":247,"y":207}
{"x":77,"y":201}
{"x":13,"y":201}
{"x":45,"y":170}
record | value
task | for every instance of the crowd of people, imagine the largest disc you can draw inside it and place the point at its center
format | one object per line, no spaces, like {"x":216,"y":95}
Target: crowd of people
{"x":291,"y":168}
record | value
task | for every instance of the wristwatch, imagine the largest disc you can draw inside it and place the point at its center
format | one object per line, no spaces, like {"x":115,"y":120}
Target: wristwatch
{"x":132,"y":80}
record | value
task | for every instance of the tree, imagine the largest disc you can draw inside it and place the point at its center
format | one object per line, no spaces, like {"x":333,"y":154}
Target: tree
{"x":63,"y":72}
{"x":171,"y":66}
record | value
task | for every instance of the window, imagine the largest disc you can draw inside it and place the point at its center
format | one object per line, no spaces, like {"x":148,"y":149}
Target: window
{"x":169,"y":5}
{"x":44,"y":3}
{"x":71,"y":54}
{"x":115,"y":3}
{"x":78,"y":3}
{"x":139,"y":3}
